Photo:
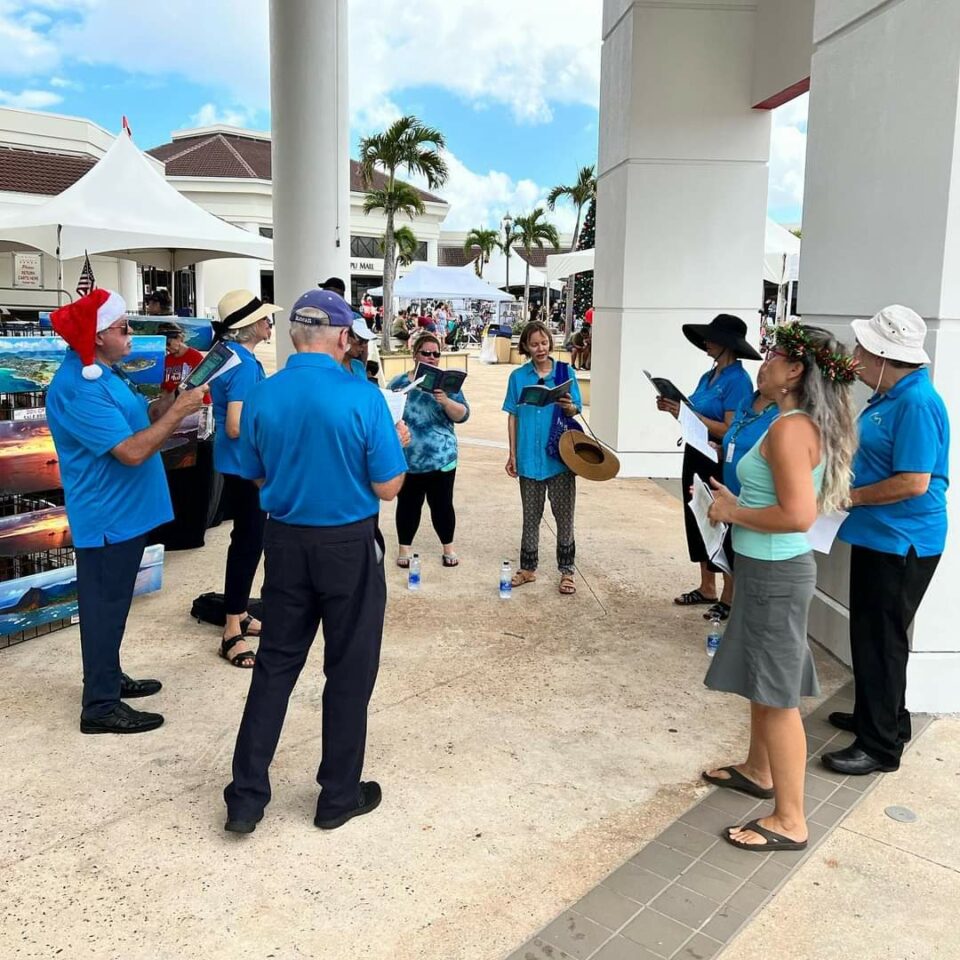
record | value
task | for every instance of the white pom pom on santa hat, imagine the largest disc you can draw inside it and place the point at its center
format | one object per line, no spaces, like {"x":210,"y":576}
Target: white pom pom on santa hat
{"x":80,"y":322}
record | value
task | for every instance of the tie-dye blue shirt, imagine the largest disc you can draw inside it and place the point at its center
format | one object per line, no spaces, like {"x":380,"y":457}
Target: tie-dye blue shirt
{"x":433,"y":442}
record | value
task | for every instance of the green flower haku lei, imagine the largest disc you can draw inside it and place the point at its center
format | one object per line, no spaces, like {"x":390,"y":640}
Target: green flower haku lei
{"x":796,"y":342}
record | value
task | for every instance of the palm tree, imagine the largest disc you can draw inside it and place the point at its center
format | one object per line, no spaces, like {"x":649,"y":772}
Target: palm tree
{"x":405,"y":144}
{"x":407,"y":245}
{"x":579,"y":194}
{"x":532,"y":231}
{"x":486,"y":240}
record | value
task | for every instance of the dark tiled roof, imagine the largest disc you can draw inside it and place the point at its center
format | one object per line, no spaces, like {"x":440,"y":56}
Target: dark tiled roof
{"x":455,"y":256}
{"x":538,"y":258}
{"x":38,"y":171}
{"x":224,"y":155}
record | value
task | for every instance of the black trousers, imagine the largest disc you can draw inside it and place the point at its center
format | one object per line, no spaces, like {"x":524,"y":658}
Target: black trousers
{"x":106,"y":577}
{"x":314,"y":575}
{"x":437,"y":488}
{"x":695,"y":463}
{"x":885,"y":592}
{"x":242,"y":499}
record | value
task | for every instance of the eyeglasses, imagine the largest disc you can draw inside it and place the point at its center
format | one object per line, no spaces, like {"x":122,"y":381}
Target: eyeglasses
{"x":433,"y":354}
{"x":774,"y":352}
{"x":123,"y":328}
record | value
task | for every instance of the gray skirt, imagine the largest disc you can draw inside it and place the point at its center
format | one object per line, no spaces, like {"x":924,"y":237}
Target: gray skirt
{"x":764,"y":654}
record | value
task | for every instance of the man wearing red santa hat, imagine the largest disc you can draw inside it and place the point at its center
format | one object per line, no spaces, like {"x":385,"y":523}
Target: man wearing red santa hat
{"x":115,"y":491}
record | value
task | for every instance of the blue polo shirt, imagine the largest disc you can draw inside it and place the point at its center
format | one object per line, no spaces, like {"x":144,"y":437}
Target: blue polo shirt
{"x":904,"y":430}
{"x":534,"y":423}
{"x":107,"y":501}
{"x":359,"y":369}
{"x":746,"y":428}
{"x":318,"y":437}
{"x":730,"y":387}
{"x":232,"y":387}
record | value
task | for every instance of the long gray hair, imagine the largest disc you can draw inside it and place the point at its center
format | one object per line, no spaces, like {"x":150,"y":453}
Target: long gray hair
{"x":828,"y":402}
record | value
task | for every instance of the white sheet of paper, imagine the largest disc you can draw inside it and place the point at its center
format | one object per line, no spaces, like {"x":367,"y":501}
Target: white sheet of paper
{"x":396,"y":401}
{"x":824,"y":530}
{"x":712,"y":534}
{"x":695,"y":434}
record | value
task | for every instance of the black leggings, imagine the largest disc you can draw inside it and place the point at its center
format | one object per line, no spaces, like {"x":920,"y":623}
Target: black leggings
{"x":242,"y":500}
{"x":437,"y":487}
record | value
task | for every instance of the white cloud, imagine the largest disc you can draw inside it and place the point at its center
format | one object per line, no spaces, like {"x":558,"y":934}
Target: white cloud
{"x":481,"y":199}
{"x":210,"y":115}
{"x":29,"y":99}
{"x":788,"y":155}
{"x":28,"y":50}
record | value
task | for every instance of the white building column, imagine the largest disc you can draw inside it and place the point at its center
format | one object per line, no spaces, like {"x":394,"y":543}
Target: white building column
{"x":682,"y":192}
{"x":128,"y":287}
{"x":881,"y":225}
{"x":311,"y":149}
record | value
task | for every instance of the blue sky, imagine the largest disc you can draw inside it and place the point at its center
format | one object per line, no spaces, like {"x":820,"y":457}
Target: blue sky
{"x":514,"y":86}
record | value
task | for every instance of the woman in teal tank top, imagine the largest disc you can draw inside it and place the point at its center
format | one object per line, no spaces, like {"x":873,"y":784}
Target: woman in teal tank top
{"x":800,"y":467}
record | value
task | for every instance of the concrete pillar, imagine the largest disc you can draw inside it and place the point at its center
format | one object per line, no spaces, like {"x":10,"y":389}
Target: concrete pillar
{"x":682,"y":192}
{"x":881,"y":224}
{"x":217,"y":277}
{"x":311,"y":149}
{"x":128,"y":285}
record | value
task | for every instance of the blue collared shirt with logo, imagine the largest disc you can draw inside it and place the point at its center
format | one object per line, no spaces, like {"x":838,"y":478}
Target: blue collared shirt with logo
{"x":904,"y":430}
{"x":318,"y":437}
{"x":746,"y":428}
{"x":106,"y":500}
{"x":232,"y":387}
{"x":718,"y":392}
{"x":534,"y":423}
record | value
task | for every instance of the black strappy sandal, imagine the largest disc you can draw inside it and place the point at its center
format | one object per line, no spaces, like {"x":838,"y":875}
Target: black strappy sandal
{"x":693,"y":598}
{"x":244,"y":660}
{"x":719,"y":611}
{"x":245,"y":627}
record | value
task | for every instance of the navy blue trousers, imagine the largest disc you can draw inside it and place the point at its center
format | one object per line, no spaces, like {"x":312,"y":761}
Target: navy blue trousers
{"x":313,"y":575}
{"x":106,"y":577}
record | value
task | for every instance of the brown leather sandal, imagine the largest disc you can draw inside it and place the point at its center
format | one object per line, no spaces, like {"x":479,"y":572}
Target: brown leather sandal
{"x":521,"y":577}
{"x":568,"y":586}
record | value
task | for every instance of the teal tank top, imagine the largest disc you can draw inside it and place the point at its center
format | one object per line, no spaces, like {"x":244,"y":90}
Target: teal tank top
{"x":757,"y":491}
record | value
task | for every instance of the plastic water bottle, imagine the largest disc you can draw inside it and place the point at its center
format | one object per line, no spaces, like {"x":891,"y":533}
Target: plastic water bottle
{"x":713,"y":637}
{"x":506,"y":581}
{"x":413,"y":577}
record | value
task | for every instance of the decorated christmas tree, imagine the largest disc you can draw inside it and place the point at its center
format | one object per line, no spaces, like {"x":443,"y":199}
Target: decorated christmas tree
{"x":583,"y":285}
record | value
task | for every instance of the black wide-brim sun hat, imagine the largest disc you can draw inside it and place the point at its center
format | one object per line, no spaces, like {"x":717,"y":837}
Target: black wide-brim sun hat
{"x":727,"y":330}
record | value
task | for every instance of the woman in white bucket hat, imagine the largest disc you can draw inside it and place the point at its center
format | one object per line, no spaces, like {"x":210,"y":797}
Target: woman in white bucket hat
{"x":897,"y":529}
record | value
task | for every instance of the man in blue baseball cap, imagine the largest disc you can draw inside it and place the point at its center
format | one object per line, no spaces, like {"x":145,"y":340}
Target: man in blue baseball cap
{"x":323,"y":448}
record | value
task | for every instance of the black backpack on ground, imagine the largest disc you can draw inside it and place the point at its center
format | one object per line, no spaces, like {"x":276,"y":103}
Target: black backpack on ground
{"x":209,"y":608}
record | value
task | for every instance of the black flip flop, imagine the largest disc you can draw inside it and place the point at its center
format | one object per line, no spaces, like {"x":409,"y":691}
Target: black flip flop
{"x":737,"y":781}
{"x":719,"y":611}
{"x":693,"y":599}
{"x":774,"y":841}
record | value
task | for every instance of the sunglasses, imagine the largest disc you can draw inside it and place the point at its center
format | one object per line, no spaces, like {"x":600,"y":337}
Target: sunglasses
{"x":433,"y":354}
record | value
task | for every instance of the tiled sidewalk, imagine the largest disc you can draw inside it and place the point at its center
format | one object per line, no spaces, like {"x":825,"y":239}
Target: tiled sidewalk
{"x":687,"y":893}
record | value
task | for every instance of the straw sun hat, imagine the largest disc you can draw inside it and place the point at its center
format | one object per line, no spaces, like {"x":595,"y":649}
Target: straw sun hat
{"x":587,"y":457}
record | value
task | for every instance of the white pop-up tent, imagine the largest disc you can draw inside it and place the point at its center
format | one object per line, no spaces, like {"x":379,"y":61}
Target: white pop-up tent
{"x":781,"y":255}
{"x":563,"y":265}
{"x":122,"y":207}
{"x":448,"y":283}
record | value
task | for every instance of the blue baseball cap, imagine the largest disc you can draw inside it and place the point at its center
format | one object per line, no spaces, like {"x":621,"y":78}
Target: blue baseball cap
{"x":321,"y":307}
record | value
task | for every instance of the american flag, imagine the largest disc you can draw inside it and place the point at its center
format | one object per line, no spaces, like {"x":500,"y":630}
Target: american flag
{"x":87,"y":280}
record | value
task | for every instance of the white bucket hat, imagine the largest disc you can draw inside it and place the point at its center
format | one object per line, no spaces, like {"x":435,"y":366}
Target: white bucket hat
{"x":895,"y":333}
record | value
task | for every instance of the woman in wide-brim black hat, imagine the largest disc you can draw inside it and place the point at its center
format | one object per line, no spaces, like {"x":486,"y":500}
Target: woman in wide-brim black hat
{"x":718,"y":395}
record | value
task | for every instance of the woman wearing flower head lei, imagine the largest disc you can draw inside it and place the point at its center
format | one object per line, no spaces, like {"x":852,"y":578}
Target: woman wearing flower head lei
{"x":800,"y":467}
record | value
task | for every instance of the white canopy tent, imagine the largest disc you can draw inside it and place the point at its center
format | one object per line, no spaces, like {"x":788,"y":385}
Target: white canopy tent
{"x":122,"y":207}
{"x":781,"y":255}
{"x":447,"y":283}
{"x":563,"y":265}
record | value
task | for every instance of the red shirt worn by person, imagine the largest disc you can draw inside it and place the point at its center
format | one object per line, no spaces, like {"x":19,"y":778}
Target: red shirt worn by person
{"x":177,"y":369}
{"x":588,"y":317}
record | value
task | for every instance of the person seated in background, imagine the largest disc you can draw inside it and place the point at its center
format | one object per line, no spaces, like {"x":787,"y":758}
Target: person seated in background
{"x":401,"y":327}
{"x":581,"y":344}
{"x":157,"y":304}
{"x":181,"y":360}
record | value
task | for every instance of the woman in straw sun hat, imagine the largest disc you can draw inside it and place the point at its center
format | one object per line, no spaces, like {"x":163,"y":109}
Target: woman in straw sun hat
{"x":244,"y":322}
{"x":897,"y":530}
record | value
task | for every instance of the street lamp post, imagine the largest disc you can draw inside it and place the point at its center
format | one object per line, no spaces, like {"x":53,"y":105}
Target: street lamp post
{"x":507,"y":227}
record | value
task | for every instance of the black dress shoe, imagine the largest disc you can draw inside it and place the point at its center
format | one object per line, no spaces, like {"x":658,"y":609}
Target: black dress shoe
{"x":241,"y":826}
{"x":370,"y":797}
{"x":122,"y":719}
{"x":842,"y":721}
{"x":130,"y":688}
{"x":854,"y":762}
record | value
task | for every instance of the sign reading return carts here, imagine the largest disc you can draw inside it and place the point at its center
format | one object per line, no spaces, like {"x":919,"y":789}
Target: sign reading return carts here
{"x":28,"y":271}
